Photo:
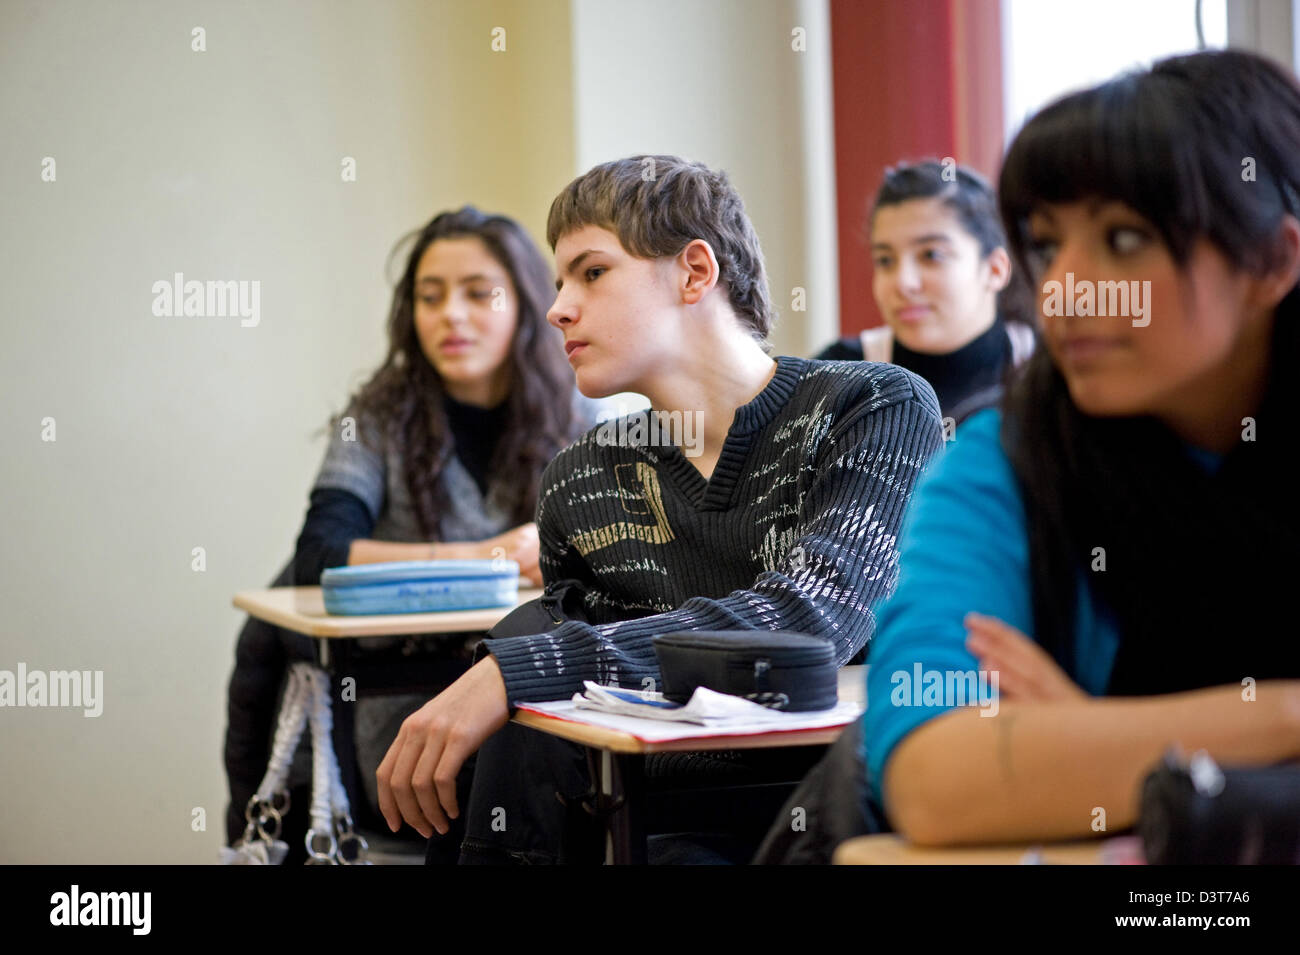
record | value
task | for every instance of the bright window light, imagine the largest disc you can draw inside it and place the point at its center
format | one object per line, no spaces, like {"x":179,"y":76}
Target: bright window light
{"x":1052,"y":47}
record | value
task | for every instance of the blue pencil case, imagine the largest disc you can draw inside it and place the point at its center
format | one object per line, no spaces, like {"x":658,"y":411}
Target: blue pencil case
{"x":420,"y":586}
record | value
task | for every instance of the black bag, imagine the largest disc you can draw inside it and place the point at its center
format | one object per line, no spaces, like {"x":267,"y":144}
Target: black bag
{"x":562,"y":601}
{"x":831,"y":805}
{"x":784,"y":671}
{"x":1196,"y":813}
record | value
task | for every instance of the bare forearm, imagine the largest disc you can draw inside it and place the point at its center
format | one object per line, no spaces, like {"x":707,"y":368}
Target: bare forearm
{"x":377,"y":552}
{"x":1040,"y":770}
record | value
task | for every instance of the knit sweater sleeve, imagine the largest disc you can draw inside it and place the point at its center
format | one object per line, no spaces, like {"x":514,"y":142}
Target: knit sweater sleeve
{"x":842,"y":560}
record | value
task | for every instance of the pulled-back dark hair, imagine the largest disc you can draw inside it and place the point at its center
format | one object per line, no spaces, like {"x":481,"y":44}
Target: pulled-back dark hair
{"x":405,"y":397}
{"x":1183,"y":548}
{"x":969,"y":195}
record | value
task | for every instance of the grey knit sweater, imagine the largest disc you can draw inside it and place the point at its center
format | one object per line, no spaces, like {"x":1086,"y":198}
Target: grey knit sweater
{"x":796,"y":529}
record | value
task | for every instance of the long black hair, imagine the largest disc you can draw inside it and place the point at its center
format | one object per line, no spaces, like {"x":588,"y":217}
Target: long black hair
{"x":1202,"y":146}
{"x":405,"y":395}
{"x":973,"y":201}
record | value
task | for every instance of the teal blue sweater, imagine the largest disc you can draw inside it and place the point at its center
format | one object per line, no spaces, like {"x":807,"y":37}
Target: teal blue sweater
{"x":964,"y":548}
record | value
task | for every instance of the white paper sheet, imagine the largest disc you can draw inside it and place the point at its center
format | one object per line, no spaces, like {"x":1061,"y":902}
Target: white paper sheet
{"x":657,"y":731}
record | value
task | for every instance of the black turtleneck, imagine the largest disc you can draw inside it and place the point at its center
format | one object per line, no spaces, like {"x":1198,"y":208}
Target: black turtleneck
{"x":975,"y":367}
{"x":475,"y":432}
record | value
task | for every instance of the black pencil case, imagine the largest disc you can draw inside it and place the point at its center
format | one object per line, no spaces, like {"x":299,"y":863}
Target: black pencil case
{"x":780,"y":670}
{"x":1194,"y":812}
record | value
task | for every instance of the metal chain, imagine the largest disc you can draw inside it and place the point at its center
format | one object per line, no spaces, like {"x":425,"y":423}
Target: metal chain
{"x":260,"y":843}
{"x":331,"y":839}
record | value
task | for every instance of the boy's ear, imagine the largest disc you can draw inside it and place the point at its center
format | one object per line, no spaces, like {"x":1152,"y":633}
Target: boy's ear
{"x":697,"y":271}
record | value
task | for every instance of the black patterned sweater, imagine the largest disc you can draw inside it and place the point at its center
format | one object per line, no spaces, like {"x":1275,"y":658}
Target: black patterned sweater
{"x":796,"y":529}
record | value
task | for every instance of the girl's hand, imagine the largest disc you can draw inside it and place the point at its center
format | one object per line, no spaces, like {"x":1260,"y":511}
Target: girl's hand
{"x":1025,"y":670}
{"x":519,"y":544}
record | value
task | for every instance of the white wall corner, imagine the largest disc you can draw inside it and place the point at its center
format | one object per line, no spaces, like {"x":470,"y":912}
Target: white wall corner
{"x":821,"y":324}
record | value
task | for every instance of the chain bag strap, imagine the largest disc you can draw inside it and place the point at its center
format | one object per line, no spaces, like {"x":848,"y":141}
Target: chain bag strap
{"x":331,"y":839}
{"x":260,"y":844}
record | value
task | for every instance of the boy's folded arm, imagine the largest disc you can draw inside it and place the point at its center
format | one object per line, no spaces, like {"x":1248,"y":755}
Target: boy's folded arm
{"x":842,"y":559}
{"x":1041,"y":770}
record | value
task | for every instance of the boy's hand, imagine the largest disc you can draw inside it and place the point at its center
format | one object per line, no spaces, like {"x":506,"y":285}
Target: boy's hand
{"x":1025,"y":670}
{"x":417,"y":778}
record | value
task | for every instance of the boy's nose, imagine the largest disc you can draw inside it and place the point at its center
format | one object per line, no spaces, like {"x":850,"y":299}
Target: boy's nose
{"x":561,"y":313}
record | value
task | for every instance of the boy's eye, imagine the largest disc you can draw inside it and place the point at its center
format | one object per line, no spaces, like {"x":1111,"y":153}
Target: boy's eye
{"x":1126,"y":239}
{"x":594,"y":272}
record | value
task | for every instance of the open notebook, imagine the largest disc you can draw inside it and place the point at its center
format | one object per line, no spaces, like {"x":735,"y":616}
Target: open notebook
{"x":651,"y":718}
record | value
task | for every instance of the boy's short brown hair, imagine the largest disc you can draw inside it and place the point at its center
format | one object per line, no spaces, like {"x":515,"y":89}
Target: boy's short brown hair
{"x":657,"y":205}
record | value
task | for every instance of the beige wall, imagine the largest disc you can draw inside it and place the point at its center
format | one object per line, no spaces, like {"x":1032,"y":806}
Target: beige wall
{"x":176,"y":433}
{"x":719,"y":82}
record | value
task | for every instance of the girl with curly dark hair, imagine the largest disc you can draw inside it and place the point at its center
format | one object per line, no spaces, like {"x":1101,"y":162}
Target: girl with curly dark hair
{"x":438,"y":456}
{"x":440,"y":453}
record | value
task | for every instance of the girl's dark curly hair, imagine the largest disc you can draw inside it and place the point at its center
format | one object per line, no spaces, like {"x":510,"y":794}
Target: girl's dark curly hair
{"x":405,"y":397}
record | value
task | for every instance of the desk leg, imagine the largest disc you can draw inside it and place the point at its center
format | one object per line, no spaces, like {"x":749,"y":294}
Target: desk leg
{"x":335,"y":657}
{"x":621,"y":784}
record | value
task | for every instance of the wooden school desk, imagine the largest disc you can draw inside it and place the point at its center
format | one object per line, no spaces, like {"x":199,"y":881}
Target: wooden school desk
{"x":894,"y":850}
{"x":302,"y":610}
{"x":617,"y":761}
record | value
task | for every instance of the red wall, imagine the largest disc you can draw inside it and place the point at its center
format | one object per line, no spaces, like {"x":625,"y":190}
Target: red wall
{"x":912,"y":79}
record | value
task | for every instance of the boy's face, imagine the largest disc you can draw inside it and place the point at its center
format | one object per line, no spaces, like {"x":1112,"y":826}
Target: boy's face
{"x":616,"y":312}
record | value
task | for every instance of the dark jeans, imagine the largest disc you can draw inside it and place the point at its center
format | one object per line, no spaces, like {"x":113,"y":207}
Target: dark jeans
{"x":521,"y":800}
{"x":510,"y":813}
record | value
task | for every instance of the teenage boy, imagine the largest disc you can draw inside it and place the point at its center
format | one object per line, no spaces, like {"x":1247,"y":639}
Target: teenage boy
{"x":785,"y":517}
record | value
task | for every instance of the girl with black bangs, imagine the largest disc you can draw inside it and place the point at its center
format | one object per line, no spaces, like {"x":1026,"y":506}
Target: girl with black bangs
{"x":1132,"y":507}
